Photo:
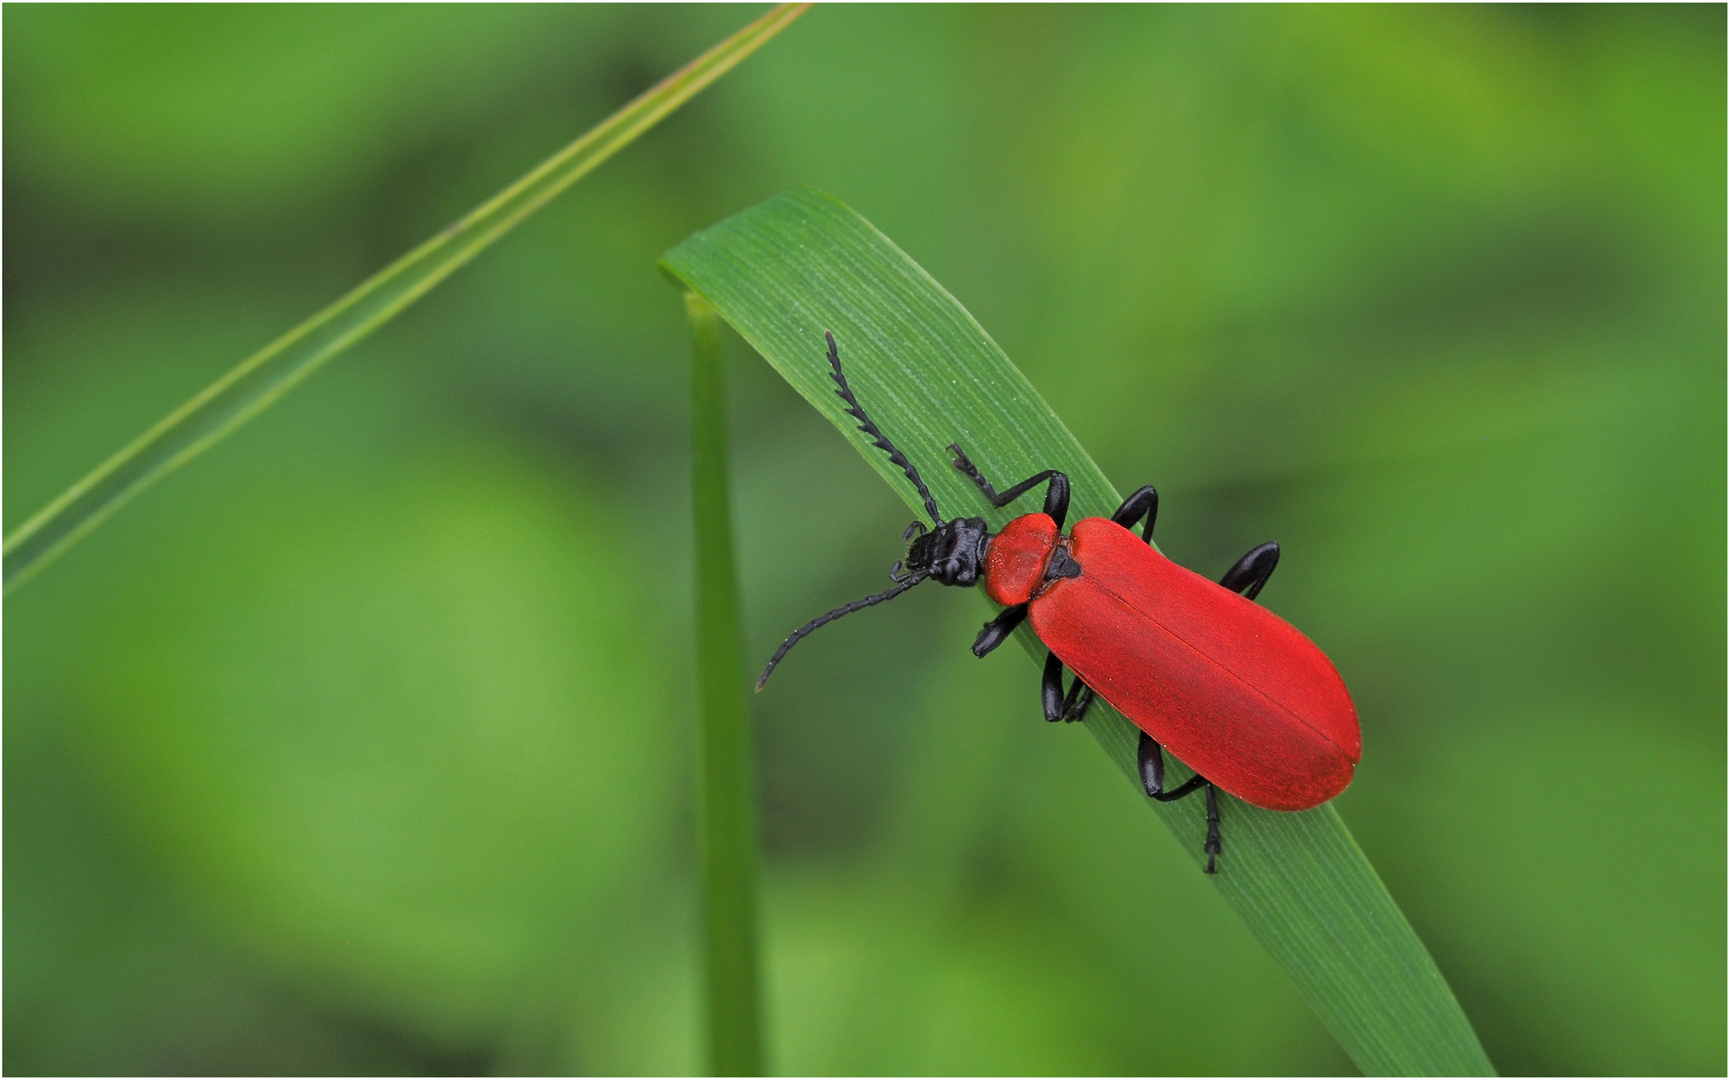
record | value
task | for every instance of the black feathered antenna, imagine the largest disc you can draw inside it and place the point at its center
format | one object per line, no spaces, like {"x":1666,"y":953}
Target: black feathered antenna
{"x":902,"y":584}
{"x":831,"y":616}
{"x":857,"y":412}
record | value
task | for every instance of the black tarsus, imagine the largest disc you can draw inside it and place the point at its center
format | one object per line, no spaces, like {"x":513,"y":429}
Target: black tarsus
{"x":831,"y":616}
{"x":1056,"y":495}
{"x":857,"y":412}
{"x":1144,"y":502}
{"x":1251,"y":572}
{"x":995,"y":632}
{"x":1150,"y":763}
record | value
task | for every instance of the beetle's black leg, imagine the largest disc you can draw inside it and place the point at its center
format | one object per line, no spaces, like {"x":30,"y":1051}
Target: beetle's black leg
{"x":1056,"y":495}
{"x":1145,"y":501}
{"x":1187,"y":788}
{"x":1150,"y":762}
{"x":1211,"y":845}
{"x":999,"y":629}
{"x":1076,"y":702}
{"x":1068,"y":707}
{"x":1251,"y":572}
{"x":1051,"y":688}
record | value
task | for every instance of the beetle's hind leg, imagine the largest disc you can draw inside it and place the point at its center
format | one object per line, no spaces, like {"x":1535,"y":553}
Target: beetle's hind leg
{"x":1150,"y":763}
{"x":1211,"y":844}
{"x":1251,"y":572}
{"x":995,"y":632}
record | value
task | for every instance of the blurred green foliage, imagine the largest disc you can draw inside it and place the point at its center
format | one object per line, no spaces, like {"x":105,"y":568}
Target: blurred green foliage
{"x":364,"y":743}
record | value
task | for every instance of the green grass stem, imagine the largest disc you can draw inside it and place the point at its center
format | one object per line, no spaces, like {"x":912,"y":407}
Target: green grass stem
{"x":259,"y":380}
{"x":788,"y":269}
{"x":727,"y":798}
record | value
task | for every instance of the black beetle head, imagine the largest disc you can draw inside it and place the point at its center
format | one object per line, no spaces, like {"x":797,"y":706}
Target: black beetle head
{"x":952,"y":554}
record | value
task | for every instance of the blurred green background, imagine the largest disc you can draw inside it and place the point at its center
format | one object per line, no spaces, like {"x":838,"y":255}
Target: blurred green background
{"x":364,"y":743}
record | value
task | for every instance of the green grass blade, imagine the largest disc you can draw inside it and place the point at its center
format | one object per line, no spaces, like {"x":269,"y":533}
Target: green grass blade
{"x":727,"y":800}
{"x":800,"y":263}
{"x":259,"y":380}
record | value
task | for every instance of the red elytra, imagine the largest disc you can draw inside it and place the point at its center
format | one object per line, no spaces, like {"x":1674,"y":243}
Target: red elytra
{"x":1234,"y":691}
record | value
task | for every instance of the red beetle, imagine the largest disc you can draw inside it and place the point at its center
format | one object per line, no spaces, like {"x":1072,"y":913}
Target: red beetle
{"x":1236,"y":692}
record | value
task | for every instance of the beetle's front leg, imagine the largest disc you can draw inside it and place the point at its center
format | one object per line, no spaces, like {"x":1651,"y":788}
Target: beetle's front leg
{"x":998,"y":630}
{"x":1056,"y":494}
